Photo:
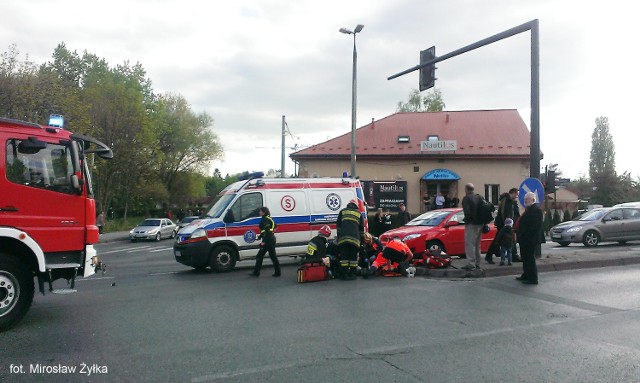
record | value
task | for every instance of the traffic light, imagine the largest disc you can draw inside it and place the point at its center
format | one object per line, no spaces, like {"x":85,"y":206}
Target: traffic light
{"x":428,"y":73}
{"x":550,"y":185}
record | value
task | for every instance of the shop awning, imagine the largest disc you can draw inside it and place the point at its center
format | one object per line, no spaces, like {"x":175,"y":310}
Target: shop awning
{"x":440,"y":174}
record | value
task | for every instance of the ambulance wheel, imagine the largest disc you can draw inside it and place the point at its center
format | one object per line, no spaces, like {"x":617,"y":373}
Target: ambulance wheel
{"x":435,"y":246}
{"x":222,"y":259}
{"x":16,"y":291}
{"x":591,"y":238}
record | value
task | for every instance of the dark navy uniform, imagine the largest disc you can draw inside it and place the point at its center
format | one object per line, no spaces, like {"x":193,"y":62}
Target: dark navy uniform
{"x":268,"y":243}
{"x":350,"y":228}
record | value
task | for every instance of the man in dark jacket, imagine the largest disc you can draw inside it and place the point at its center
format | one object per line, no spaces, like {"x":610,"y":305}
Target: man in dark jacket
{"x":529,"y":235}
{"x":350,"y":226}
{"x":472,"y":227}
{"x":403,"y":215}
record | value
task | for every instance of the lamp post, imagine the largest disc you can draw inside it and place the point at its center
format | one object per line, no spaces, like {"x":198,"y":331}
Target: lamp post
{"x":354,"y":97}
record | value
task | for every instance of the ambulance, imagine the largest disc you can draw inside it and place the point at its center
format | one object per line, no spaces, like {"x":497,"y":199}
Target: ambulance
{"x":229,"y":231}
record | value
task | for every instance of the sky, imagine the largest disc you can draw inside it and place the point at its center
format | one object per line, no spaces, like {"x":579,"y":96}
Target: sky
{"x":247,"y":63}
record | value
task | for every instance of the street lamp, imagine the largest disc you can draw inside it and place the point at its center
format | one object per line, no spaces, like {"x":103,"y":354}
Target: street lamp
{"x":354,"y":86}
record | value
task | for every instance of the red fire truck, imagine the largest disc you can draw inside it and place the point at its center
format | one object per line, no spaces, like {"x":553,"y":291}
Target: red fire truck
{"x":47,"y":211}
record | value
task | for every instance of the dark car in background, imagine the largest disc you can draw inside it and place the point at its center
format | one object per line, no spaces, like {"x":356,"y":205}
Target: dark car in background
{"x":441,"y":229}
{"x":607,"y":224}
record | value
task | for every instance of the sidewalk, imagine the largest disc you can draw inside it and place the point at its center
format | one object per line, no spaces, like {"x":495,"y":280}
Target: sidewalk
{"x":567,"y":260}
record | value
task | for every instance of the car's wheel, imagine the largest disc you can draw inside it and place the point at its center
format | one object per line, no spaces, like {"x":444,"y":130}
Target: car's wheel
{"x":591,"y":238}
{"x":222,"y":259}
{"x":564,"y":243}
{"x":435,"y":246}
{"x":173,"y":234}
{"x":158,"y":236}
{"x":16,"y":291}
{"x":133,"y":240}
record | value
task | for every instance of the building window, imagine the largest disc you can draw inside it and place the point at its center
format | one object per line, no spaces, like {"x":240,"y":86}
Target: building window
{"x":403,"y":139}
{"x":433,"y":138}
{"x":492,"y":193}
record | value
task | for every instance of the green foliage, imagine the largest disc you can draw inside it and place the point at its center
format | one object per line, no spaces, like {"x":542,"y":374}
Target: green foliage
{"x":556,"y":217}
{"x":432,"y":102}
{"x":574,"y":215}
{"x":602,"y":165}
{"x":548,"y":223}
{"x":566,"y":216}
{"x":162,"y":149}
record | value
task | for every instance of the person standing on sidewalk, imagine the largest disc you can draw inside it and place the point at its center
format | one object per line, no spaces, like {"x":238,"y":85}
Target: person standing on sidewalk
{"x":507,"y":209}
{"x":472,"y":227}
{"x":100,"y":221}
{"x":403,"y":215}
{"x":267,"y":244}
{"x":529,"y":235}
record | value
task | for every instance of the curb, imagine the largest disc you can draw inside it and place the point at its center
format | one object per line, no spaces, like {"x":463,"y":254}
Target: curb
{"x":516,"y":269}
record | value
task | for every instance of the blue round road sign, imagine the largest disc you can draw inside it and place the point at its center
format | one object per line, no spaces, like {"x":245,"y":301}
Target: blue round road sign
{"x":531,"y":185}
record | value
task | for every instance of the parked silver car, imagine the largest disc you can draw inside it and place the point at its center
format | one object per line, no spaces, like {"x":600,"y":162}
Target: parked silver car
{"x":608,"y":224}
{"x":154,"y":229}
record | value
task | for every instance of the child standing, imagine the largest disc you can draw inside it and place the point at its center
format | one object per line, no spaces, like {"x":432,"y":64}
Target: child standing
{"x":504,"y":239}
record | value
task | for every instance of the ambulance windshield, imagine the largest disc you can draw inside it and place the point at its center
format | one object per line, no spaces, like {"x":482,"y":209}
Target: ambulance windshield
{"x":219,"y":205}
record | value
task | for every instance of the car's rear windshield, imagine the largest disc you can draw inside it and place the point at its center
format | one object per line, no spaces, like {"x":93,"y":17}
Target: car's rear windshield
{"x":150,"y":222}
{"x":432,"y":218}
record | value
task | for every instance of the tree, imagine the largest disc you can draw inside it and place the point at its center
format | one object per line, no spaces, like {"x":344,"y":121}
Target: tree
{"x":186,"y":142}
{"x":432,"y":102}
{"x":602,"y":164}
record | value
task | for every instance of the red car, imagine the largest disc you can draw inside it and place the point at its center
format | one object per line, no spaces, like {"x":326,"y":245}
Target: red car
{"x":437,"y":229}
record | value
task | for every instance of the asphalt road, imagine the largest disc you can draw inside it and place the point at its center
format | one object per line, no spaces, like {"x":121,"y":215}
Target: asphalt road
{"x":150,"y":319}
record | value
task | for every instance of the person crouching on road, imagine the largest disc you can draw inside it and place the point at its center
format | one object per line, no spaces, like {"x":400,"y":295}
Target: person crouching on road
{"x":369,"y":249}
{"x":504,"y":240}
{"x":317,"y":247}
{"x":267,"y":243}
{"x":396,"y":255}
{"x":350,"y":226}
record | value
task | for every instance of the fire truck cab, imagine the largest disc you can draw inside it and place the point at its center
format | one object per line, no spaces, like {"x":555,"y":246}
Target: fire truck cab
{"x":47,"y":212}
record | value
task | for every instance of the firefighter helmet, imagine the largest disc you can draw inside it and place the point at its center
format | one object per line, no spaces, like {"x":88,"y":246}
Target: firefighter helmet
{"x":325,"y":230}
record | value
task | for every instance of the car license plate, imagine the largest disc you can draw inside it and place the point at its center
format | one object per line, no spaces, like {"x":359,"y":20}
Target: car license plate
{"x":177,"y":253}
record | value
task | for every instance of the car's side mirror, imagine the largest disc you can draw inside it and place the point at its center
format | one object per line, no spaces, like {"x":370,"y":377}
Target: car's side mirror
{"x":228,"y":217}
{"x":452,"y":223}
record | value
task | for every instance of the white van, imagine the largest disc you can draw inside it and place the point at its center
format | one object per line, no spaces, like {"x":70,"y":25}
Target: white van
{"x":299,"y":207}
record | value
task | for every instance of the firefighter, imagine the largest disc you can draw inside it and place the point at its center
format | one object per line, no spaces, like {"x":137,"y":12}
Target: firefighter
{"x":396,"y":255}
{"x":369,"y":249}
{"x":317,"y":247}
{"x":268,"y":243}
{"x":350,"y":228}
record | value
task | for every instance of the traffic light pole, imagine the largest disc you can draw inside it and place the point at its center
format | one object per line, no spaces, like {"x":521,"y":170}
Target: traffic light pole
{"x":532,"y":25}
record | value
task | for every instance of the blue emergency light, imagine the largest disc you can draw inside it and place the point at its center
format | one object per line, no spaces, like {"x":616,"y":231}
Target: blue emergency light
{"x":56,"y":120}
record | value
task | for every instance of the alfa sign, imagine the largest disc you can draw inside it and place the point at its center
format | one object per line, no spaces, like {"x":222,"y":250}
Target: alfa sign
{"x":438,"y":146}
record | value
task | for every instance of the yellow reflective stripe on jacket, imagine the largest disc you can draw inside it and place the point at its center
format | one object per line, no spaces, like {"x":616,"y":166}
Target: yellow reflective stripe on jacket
{"x":351,"y":215}
{"x":273,"y":224}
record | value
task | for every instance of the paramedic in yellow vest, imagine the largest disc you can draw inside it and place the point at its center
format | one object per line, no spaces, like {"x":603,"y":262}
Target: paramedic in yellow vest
{"x":268,"y":243}
{"x":350,"y":228}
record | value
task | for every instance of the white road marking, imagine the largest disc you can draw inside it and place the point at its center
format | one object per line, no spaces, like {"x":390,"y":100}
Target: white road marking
{"x":93,"y":279}
{"x":163,"y":249}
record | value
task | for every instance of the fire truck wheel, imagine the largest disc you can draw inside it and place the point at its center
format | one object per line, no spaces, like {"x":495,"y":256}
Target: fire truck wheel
{"x":223,"y":258}
{"x":16,"y":290}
